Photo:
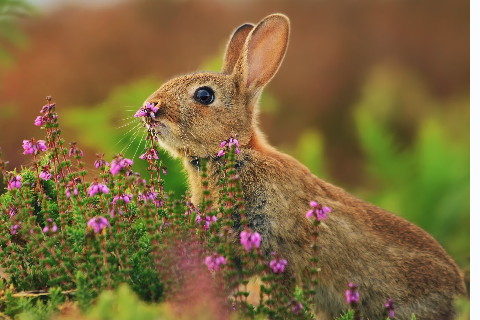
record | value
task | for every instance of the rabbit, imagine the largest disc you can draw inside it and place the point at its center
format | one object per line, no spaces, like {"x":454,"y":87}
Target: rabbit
{"x":387,"y":256}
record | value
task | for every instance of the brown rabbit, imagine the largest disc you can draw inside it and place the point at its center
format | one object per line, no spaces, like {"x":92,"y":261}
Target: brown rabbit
{"x":385,"y":255}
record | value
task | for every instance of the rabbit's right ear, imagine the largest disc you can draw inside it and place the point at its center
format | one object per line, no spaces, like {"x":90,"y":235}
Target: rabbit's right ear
{"x":235,"y":47}
{"x":263,"y":52}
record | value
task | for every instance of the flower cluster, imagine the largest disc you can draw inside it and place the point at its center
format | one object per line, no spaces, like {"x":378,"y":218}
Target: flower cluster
{"x":74,"y":151}
{"x":120,"y":163}
{"x":98,"y":224}
{"x":318,"y":211}
{"x":33,"y":146}
{"x":351,"y":295}
{"x":100,"y":163}
{"x":97,"y":188}
{"x":45,"y":173}
{"x":250,"y":239}
{"x":390,"y":309}
{"x":228,"y":144}
{"x":71,"y":188}
{"x":214,"y":262}
{"x":148,"y":110}
{"x":206,"y":221}
{"x":278,"y":265}
{"x":126,"y":198}
{"x":150,"y":155}
{"x":51,"y":227}
{"x":15,"y":182}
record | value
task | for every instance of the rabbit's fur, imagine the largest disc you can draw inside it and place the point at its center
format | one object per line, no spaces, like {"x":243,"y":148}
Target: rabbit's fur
{"x":385,"y":255}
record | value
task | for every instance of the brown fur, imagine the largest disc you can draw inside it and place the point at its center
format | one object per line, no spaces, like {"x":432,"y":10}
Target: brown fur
{"x":387,"y":256}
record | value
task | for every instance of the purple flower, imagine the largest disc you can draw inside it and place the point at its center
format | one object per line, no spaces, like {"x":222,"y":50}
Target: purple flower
{"x":226,"y":145}
{"x":147,"y":110}
{"x":98,"y":224}
{"x":221,"y":153}
{"x":100,"y":162}
{"x":14,"y":229}
{"x":207,"y":220}
{"x":250,"y":240}
{"x":71,"y":188}
{"x":120,"y":163}
{"x":33,"y":147}
{"x":296,"y":307}
{"x":150,"y":155}
{"x":278,"y":265}
{"x":13,"y":211}
{"x":317,"y":211}
{"x":39,"y":121}
{"x":45,"y":173}
{"x":351,"y":295}
{"x":124,"y":197}
{"x":74,"y":151}
{"x":152,"y":196}
{"x":97,"y":188}
{"x":14,"y":183}
{"x":390,"y":308}
{"x":47,"y":108}
{"x":214,"y":262}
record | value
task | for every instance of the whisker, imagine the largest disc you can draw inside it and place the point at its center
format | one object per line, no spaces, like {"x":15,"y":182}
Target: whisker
{"x":138,"y":145}
{"x":126,"y":124}
{"x":126,"y":134}
{"x":127,"y":147}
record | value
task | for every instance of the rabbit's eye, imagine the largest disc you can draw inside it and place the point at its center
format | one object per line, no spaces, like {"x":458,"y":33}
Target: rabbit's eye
{"x":204,"y":95}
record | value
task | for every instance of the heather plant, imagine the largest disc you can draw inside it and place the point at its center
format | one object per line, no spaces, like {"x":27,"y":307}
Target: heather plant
{"x":65,"y":239}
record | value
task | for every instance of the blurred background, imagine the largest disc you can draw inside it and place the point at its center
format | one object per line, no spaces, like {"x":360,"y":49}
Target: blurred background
{"x":372,"y":96}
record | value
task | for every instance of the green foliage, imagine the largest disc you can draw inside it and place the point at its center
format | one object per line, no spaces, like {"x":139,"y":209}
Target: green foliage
{"x":67,"y":238}
{"x":10,"y":11}
{"x":349,"y":315}
{"x":123,"y":304}
{"x":426,"y":179}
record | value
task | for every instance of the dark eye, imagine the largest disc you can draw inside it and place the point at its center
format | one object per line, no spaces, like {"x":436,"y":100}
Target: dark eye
{"x":204,"y":95}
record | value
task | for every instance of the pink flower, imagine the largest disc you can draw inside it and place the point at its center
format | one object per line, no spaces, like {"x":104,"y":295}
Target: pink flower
{"x":14,"y":229}
{"x":45,"y":174}
{"x":97,"y":188}
{"x":69,"y":189}
{"x":320,"y":213}
{"x":33,"y":147}
{"x":278,"y":265}
{"x":100,"y":162}
{"x":51,"y":227}
{"x":123,"y":197}
{"x":226,"y":145}
{"x":390,"y":308}
{"x":39,"y":121}
{"x":351,"y":295}
{"x":98,"y":224}
{"x":74,"y":151}
{"x":47,"y":108}
{"x":207,"y":220}
{"x":296,"y":307}
{"x":15,"y":183}
{"x":214,"y":262}
{"x":147,"y":110}
{"x":250,"y":240}
{"x":119,"y":164}
{"x":150,"y":155}
{"x":13,"y":211}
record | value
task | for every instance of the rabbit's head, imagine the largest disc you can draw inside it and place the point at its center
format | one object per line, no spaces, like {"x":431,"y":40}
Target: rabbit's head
{"x":199,"y":110}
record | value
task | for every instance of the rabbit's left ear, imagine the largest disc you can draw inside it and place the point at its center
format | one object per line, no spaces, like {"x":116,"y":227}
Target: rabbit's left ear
{"x":235,"y":47}
{"x":263,"y":52}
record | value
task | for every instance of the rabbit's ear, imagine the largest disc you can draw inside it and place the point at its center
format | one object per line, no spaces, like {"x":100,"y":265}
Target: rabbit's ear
{"x":235,"y":47}
{"x":264,"y":51}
